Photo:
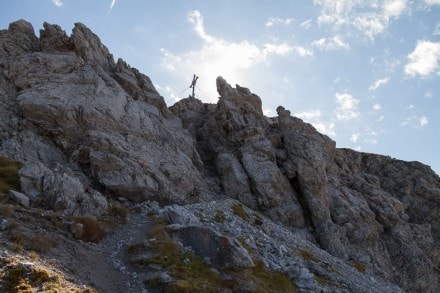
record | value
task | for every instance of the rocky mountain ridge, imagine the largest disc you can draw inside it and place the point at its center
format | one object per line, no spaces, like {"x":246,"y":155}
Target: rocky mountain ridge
{"x":236,"y":188}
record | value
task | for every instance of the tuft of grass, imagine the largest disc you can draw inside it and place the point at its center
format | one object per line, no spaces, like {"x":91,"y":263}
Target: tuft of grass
{"x":238,"y":210}
{"x":360,"y":266}
{"x":92,"y":228}
{"x":6,"y":210}
{"x":219,"y":216}
{"x":269,"y":281}
{"x":189,"y":272}
{"x":307,"y":255}
{"x":41,"y":244}
{"x":118,"y":213}
{"x":9,"y":178}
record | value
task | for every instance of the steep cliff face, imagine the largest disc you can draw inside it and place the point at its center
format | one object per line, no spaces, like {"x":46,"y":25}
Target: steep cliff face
{"x":91,"y":131}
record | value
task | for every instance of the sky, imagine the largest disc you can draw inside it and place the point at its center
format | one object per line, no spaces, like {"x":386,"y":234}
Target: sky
{"x":364,"y":72}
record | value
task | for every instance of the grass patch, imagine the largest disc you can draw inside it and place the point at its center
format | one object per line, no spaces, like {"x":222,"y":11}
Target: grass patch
{"x":6,"y":210}
{"x":307,"y":255}
{"x":268,"y":281}
{"x":9,"y":178}
{"x":118,"y":213}
{"x":189,"y":272}
{"x":238,"y":210}
{"x":219,"y":216}
{"x":360,"y":266}
{"x":20,"y":278}
{"x":92,"y":230}
{"x":41,"y":244}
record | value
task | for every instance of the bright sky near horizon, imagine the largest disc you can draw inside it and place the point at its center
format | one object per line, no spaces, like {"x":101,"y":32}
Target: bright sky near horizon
{"x":364,"y":72}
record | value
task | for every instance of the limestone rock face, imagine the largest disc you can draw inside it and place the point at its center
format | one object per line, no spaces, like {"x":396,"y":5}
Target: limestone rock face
{"x":90,"y":130}
{"x":107,"y":119}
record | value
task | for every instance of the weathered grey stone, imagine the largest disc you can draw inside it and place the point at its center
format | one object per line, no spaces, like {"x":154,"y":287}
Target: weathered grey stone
{"x":19,"y":197}
{"x":221,"y":250}
{"x":19,"y":38}
{"x":60,"y":191}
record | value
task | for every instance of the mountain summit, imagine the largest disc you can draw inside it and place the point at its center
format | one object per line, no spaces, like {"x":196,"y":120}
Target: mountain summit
{"x":194,"y":197}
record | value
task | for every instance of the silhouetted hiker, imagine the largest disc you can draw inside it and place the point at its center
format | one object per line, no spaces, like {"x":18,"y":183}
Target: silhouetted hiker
{"x":193,"y":84}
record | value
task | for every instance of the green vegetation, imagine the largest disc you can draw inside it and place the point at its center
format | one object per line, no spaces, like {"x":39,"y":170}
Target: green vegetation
{"x":258,"y":220}
{"x":271,"y":281}
{"x":20,"y":278}
{"x":92,"y":229}
{"x":219,"y":216}
{"x":6,"y":210}
{"x":360,"y":266}
{"x":9,"y":178}
{"x":238,"y":210}
{"x":40,"y":243}
{"x":190,"y":273}
{"x":307,"y":255}
{"x":118,"y":213}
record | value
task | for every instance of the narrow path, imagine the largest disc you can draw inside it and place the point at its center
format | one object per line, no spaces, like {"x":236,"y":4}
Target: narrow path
{"x":103,"y":265}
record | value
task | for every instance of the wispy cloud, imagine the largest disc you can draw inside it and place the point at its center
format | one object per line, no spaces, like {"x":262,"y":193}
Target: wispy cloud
{"x":306,"y":24}
{"x":112,"y":4}
{"x":314,"y":117}
{"x":335,"y":43}
{"x":346,"y":107}
{"x":432,"y":2}
{"x":414,"y":120}
{"x":375,"y":85}
{"x":424,"y":60}
{"x":58,"y":3}
{"x":423,"y":121}
{"x":377,"y":107}
{"x":221,"y":57}
{"x":272,"y":21}
{"x":354,"y":137}
{"x":369,"y":17}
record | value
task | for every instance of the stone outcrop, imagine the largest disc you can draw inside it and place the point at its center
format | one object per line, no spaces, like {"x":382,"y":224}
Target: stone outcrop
{"x":90,"y":130}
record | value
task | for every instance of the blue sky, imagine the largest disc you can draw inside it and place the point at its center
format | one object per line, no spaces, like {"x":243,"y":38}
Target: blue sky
{"x":364,"y":72}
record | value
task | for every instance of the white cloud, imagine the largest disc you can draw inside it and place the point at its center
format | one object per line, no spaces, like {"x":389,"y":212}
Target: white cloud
{"x":424,"y":60}
{"x":346,"y":107}
{"x":306,"y":24}
{"x":371,"y":141}
{"x":354,"y":137}
{"x":423,"y":121}
{"x":112,"y":4}
{"x":413,"y":119}
{"x":314,"y":117}
{"x":221,"y":57}
{"x":377,"y":107}
{"x":375,"y":85}
{"x":334,"y":43}
{"x":268,"y":112}
{"x":432,"y":2}
{"x":309,"y":115}
{"x":325,"y":128}
{"x":369,"y":17}
{"x":58,"y":3}
{"x":274,"y":21}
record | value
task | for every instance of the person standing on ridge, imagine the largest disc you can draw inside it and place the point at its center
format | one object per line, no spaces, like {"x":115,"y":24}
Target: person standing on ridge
{"x":193,"y":84}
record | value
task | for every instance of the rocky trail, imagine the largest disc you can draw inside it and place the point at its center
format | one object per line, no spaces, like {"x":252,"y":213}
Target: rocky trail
{"x":103,"y":265}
